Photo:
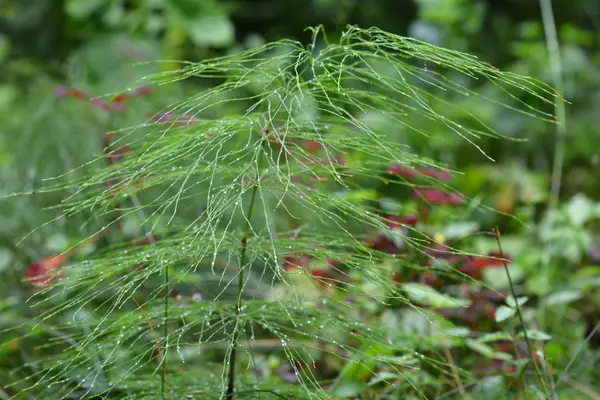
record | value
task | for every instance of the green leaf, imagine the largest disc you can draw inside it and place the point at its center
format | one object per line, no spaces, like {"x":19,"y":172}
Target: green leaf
{"x":399,"y":360}
{"x":486,"y":350}
{"x":426,"y":295}
{"x":383,"y":377}
{"x":563,"y":297}
{"x":80,"y":9}
{"x":214,"y":30}
{"x":510,"y":300}
{"x":206,"y":22}
{"x":535,"y":335}
{"x":361,"y":196}
{"x":457,"y":331}
{"x":460,"y":229}
{"x":581,"y":209}
{"x":496,"y":277}
{"x":504,"y":313}
{"x":350,"y":388}
{"x":493,"y":337}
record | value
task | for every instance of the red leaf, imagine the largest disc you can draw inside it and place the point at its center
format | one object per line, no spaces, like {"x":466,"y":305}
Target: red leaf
{"x":117,"y":155}
{"x":101,"y":104}
{"x":295,"y":261}
{"x":313,"y":146}
{"x":384,"y":244}
{"x":78,"y":94}
{"x":142,"y":90}
{"x":441,"y":175}
{"x":44,"y":273}
{"x":397,"y":222}
{"x":494,"y":259}
{"x":402,"y":171}
{"x":119,"y":98}
{"x":435,"y":196}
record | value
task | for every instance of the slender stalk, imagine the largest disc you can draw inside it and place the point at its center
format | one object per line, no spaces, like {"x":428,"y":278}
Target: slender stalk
{"x":563,"y":375}
{"x":165,"y":331}
{"x":240,"y":289}
{"x":553,"y":48}
{"x":559,"y":106}
{"x":518,"y":308}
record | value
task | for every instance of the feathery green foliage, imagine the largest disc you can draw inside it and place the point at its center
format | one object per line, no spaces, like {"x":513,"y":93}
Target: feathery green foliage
{"x":235,"y":200}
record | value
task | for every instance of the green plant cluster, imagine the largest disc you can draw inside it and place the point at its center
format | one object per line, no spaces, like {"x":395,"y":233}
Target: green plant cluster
{"x":356,"y":214}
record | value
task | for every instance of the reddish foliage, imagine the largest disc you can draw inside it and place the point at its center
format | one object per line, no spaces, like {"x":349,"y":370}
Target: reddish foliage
{"x":490,"y":311}
{"x":323,"y":277}
{"x":494,"y":259}
{"x":108,"y":138}
{"x":430,"y":279}
{"x":435,"y":196}
{"x":441,"y":175}
{"x":147,"y":240}
{"x":470,"y":270}
{"x":486,"y":294}
{"x":45,"y":272}
{"x":294,"y":261}
{"x":505,"y":346}
{"x":474,"y":266}
{"x":384,"y":244}
{"x":113,"y":187}
{"x":332,"y":262}
{"x":142,"y":90}
{"x":116,"y":103}
{"x":78,"y":94}
{"x":395,"y":222}
{"x":407,"y":172}
{"x":313,"y":146}
{"x":66,"y":92}
{"x":402,"y":171}
{"x":438,"y":250}
{"x":319,"y":273}
{"x":117,"y":155}
{"x":119,"y":98}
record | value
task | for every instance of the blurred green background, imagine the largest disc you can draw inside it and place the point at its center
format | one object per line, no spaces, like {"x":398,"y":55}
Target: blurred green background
{"x":105,"y":46}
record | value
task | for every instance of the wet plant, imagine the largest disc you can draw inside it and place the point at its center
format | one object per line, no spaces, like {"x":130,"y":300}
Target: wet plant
{"x":270,"y":264}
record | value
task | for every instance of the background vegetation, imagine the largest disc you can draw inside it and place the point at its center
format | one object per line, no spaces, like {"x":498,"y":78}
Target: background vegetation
{"x":48,"y":48}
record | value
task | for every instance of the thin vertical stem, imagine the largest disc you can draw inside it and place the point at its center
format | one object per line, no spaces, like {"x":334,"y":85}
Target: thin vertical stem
{"x":165,"y":331}
{"x":240,"y":289}
{"x":518,"y":309}
{"x":559,"y":106}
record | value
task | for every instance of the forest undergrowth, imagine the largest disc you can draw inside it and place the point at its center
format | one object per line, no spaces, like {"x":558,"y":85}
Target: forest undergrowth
{"x":264,"y":238}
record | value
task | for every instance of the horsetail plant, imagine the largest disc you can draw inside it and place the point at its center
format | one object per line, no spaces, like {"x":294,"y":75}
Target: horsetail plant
{"x":265,"y":234}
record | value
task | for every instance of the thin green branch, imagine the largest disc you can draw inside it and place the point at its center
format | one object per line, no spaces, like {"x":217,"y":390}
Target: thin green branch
{"x":240,"y":288}
{"x":519,"y":314}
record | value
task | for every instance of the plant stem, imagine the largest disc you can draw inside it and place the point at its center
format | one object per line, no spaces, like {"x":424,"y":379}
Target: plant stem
{"x":518,"y":308}
{"x":166,"y":331}
{"x":559,"y":106}
{"x":240,"y":289}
